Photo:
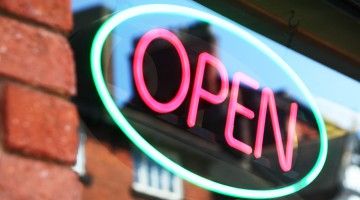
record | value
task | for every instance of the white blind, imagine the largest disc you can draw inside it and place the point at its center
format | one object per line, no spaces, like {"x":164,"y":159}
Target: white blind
{"x":153,"y":180}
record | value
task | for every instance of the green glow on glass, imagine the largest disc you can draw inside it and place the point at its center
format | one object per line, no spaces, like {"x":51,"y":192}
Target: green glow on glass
{"x":148,"y":149}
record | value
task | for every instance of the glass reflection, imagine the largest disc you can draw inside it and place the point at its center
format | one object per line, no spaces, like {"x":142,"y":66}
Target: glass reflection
{"x":203,"y":148}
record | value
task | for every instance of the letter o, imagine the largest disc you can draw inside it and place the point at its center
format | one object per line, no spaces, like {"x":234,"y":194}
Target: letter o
{"x":140,"y":50}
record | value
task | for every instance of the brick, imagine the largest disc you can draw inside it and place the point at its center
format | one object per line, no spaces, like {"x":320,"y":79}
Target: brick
{"x":195,"y":192}
{"x":112,"y":177}
{"x":22,"y":178}
{"x":36,"y":56}
{"x":53,"y":13}
{"x":39,"y":124}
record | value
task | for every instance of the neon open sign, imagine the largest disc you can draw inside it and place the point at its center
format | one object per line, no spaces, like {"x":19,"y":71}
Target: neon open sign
{"x":198,"y":94}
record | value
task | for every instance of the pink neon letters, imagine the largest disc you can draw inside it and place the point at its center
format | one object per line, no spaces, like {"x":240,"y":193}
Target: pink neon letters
{"x":235,"y":107}
{"x":139,"y":76}
{"x":206,"y":60}
{"x":267,"y":97}
{"x":199,"y":92}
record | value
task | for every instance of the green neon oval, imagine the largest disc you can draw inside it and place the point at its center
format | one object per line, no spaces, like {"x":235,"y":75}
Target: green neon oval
{"x":148,"y":149}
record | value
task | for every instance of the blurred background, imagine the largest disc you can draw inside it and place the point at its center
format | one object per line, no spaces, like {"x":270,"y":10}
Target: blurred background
{"x":318,"y":39}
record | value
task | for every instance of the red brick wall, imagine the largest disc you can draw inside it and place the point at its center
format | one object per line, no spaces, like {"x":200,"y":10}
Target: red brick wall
{"x":38,"y":123}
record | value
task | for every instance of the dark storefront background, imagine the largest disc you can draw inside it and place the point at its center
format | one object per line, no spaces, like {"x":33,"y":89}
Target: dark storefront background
{"x":326,"y":58}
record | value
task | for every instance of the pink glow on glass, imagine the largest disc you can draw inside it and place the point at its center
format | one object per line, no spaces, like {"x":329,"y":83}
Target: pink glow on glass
{"x":140,"y":50}
{"x":235,"y":107}
{"x":199,"y":92}
{"x":285,"y":160}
